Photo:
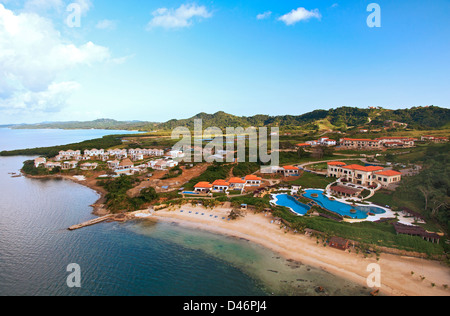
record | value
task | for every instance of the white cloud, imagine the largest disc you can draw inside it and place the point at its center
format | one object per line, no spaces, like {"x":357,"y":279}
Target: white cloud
{"x":178,"y":18}
{"x":53,"y":99}
{"x":300,"y":14}
{"x":264,"y":15}
{"x":106,"y":25}
{"x":33,"y":57}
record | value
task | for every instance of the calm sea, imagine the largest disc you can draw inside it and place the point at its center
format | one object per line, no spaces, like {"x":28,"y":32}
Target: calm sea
{"x":135,"y":258}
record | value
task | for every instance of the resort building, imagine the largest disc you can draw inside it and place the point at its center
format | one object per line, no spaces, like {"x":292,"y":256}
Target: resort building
{"x":302,"y":145}
{"x":137,"y":157}
{"x":39,"y":161}
{"x":367,"y":144}
{"x":68,"y":155}
{"x":125,"y":164}
{"x":365,"y":176}
{"x":203,"y":187}
{"x":69,"y":165}
{"x":388,"y":177}
{"x":324,"y":141}
{"x":405,"y":142}
{"x":291,"y":171}
{"x":220,"y":185}
{"x":51,"y":165}
{"x":434,"y":139}
{"x":339,"y":243}
{"x":89,"y":166}
{"x":114,"y":164}
{"x":402,"y":229}
{"x":94,"y":152}
{"x":118,"y":153}
{"x":253,"y":180}
{"x":176,"y":154}
{"x":237,"y":184}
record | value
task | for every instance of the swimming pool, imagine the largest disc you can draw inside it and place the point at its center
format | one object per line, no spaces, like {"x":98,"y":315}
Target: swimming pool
{"x":190,"y":193}
{"x":292,"y":203}
{"x":342,"y":208}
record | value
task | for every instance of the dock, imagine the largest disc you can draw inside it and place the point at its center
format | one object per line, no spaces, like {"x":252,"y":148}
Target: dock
{"x":91,"y":222}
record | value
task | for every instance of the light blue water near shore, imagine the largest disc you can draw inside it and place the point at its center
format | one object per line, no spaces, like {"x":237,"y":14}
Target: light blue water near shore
{"x":135,"y":258}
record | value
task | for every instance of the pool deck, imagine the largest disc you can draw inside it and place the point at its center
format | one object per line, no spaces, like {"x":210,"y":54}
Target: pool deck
{"x":388,"y":212}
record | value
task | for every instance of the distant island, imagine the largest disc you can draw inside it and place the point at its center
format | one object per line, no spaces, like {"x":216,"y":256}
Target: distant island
{"x":339,"y":119}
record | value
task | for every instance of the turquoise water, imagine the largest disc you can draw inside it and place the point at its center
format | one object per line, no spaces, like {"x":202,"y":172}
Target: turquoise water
{"x":342,"y":208}
{"x":292,"y":203}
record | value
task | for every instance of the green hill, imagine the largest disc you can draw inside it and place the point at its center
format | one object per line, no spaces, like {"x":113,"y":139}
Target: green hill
{"x":420,"y":118}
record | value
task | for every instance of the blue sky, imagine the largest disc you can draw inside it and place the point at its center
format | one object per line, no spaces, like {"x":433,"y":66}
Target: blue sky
{"x":158,"y":60}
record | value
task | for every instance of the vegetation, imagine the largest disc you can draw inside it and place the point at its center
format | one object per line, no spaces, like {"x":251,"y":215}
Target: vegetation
{"x":311,"y":180}
{"x":30,"y":169}
{"x":342,"y":118}
{"x":49,"y":152}
{"x":428,"y":192}
{"x":107,"y":124}
{"x":117,"y":199}
{"x":377,"y":234}
{"x":245,"y":168}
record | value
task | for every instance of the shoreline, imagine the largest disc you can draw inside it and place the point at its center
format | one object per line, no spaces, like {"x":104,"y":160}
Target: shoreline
{"x":396,"y":269}
{"x":396,"y":277}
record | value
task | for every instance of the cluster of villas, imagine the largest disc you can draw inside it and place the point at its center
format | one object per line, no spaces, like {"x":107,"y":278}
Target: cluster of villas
{"x":366,"y":176}
{"x":378,"y":143}
{"x":434,"y":139}
{"x":127,"y":166}
{"x":119,"y":160}
{"x":233,"y":184}
{"x":104,"y":155}
{"x":372,"y":144}
{"x":324,"y":141}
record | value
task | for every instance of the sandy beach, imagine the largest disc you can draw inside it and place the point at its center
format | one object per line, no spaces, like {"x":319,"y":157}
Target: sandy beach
{"x":396,"y":276}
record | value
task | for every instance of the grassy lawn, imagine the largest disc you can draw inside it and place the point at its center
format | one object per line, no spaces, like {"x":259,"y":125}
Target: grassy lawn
{"x":311,"y":180}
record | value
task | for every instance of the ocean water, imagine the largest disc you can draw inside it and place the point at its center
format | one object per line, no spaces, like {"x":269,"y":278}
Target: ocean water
{"x":11,"y":139}
{"x":134,"y":258}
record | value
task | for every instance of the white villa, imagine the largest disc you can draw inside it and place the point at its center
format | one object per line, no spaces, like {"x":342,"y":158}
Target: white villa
{"x":39,"y":161}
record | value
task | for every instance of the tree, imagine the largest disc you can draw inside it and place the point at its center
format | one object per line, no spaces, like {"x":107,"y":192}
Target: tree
{"x":149,"y":194}
{"x":235,"y":214}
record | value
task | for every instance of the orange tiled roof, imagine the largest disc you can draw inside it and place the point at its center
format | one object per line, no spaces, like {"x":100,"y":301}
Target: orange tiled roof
{"x":203,"y":185}
{"x":290,"y":168}
{"x":253,"y":178}
{"x":336,"y":163}
{"x":389,"y":173}
{"x":365,"y":169}
{"x":221,"y":183}
{"x":237,"y":180}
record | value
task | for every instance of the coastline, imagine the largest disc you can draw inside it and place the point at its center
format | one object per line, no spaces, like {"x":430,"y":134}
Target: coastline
{"x":397,"y":279}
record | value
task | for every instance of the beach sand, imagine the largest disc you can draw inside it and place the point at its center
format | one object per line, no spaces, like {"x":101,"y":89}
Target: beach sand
{"x":396,"y":277}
